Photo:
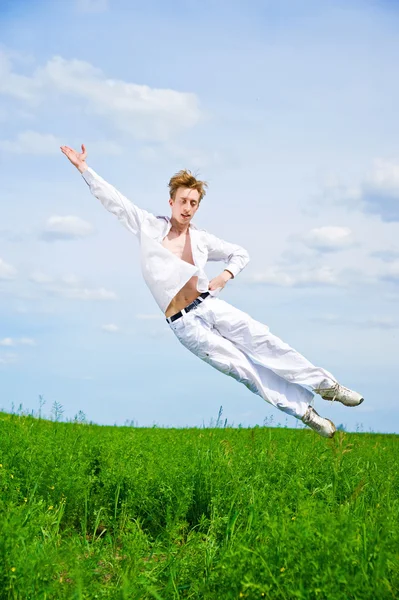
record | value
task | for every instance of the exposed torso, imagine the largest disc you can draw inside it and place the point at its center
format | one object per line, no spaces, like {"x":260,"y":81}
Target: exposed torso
{"x":180,"y":245}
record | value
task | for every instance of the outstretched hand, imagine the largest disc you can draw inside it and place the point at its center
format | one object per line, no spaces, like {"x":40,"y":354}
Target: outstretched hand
{"x":78,"y":159}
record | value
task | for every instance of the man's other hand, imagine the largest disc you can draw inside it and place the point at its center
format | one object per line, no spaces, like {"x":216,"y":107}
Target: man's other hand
{"x":220,"y":281}
{"x":78,"y":159}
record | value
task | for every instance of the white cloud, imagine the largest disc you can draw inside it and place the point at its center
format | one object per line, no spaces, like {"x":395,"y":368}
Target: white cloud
{"x":32,"y":142}
{"x":318,"y":276}
{"x":39,"y":277}
{"x":378,"y":323}
{"x":7,"y":271}
{"x":27,"y":342}
{"x":46,"y":144}
{"x":329,"y":238}
{"x":12,"y":342}
{"x":144,"y":112}
{"x":372,"y":322}
{"x":377,"y":194}
{"x":71,"y":279}
{"x":8,"y":358}
{"x":387,"y":255}
{"x":340,"y":193}
{"x":385,"y":175}
{"x":110,"y":328}
{"x":14,"y":236}
{"x":390,"y":272}
{"x":81,"y":293}
{"x":17,"y":86}
{"x":65,"y":228}
{"x":70,"y":287}
{"x":380,"y":192}
{"x":300,"y":275}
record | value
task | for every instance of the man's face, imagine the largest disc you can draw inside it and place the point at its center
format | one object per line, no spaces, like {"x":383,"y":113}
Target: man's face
{"x":185,"y":204}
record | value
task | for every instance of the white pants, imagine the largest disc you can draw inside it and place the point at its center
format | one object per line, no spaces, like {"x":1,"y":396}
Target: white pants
{"x":231,"y":341}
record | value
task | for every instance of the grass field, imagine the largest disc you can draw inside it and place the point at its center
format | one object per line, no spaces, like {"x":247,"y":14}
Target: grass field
{"x":88,"y":511}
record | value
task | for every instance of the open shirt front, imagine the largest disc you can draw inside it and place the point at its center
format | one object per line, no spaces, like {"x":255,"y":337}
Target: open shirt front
{"x":164,"y":273}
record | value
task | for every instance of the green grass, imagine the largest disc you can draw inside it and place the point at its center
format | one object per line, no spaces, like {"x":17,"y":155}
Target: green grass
{"x":88,"y":511}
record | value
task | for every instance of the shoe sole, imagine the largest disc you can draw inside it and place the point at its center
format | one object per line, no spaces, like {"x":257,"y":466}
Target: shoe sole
{"x":344,"y":403}
{"x":329,"y":435}
{"x":335,"y":429}
{"x":352,"y":405}
{"x":321,"y":433}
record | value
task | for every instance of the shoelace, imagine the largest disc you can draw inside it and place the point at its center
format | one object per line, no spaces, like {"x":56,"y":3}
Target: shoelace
{"x":334,"y":388}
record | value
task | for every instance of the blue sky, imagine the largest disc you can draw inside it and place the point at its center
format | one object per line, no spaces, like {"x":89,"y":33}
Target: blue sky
{"x":288,"y":110}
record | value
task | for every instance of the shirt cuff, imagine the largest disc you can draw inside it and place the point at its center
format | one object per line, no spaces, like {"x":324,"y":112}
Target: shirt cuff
{"x":234,"y":269}
{"x":88,"y":175}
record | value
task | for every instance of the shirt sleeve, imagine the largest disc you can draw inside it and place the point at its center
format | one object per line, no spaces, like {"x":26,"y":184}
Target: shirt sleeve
{"x":128,"y":213}
{"x":234,"y":255}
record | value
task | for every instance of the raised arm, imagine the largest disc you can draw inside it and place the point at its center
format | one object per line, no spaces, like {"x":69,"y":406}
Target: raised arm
{"x":128,"y":213}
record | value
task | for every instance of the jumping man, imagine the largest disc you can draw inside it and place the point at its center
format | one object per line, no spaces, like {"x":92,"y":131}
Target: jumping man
{"x":174,"y":253}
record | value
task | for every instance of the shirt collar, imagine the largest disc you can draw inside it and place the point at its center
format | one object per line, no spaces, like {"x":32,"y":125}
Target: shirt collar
{"x":191,"y":226}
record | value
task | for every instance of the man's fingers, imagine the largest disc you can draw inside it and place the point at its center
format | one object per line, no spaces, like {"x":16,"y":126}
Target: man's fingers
{"x":71,"y":153}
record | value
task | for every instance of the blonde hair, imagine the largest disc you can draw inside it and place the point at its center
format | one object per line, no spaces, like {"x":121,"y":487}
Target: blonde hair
{"x":185,"y":178}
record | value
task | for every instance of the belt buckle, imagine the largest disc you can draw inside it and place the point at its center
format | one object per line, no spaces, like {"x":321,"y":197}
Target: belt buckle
{"x":190,"y":306}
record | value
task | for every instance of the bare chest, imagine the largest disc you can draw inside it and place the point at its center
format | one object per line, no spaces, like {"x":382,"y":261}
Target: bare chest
{"x":180,"y":246}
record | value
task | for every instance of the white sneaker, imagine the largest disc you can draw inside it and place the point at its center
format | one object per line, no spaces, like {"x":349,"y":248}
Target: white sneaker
{"x":340,"y":393}
{"x":322,"y":426}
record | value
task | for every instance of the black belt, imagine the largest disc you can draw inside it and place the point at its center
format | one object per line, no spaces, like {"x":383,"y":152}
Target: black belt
{"x":187,"y":309}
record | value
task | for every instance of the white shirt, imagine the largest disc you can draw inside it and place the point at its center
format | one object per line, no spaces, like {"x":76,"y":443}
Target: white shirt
{"x":165,"y":273}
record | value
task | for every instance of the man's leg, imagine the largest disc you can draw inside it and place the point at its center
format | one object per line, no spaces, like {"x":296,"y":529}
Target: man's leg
{"x":197,"y":334}
{"x":254,"y":338}
{"x":209,"y":345}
